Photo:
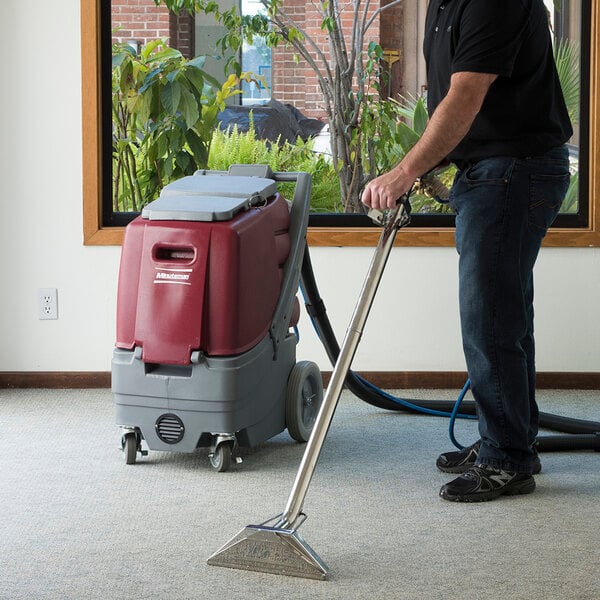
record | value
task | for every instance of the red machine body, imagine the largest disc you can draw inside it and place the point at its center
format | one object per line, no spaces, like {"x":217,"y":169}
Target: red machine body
{"x":207,"y":286}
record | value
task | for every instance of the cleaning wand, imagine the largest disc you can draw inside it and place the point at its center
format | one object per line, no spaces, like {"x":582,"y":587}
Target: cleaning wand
{"x":275,"y":546}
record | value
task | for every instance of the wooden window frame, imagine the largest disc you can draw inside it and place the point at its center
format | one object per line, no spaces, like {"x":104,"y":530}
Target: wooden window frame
{"x":94,"y":234}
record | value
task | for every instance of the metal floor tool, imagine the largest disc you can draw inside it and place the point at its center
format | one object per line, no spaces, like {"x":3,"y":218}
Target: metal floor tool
{"x":275,"y":546}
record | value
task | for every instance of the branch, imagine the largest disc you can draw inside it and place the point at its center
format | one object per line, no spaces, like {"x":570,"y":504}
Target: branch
{"x":280,"y":18}
{"x":337,"y":42}
{"x":356,"y":6}
{"x":302,"y":48}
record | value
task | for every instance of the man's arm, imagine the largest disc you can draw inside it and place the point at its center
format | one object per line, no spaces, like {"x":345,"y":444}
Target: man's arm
{"x":448,"y":125}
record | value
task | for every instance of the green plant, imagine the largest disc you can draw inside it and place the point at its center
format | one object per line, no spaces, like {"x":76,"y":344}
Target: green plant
{"x":164,"y":111}
{"x":235,"y":147}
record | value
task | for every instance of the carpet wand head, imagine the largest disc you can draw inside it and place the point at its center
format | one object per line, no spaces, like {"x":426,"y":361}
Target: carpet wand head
{"x":270,"y":550}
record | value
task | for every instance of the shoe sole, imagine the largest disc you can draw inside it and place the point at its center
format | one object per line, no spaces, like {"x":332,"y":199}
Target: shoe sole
{"x":458,"y":469}
{"x":524,"y":487}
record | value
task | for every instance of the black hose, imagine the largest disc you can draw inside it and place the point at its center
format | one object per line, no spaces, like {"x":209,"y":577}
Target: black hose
{"x":585,"y":435}
{"x":568,"y":424}
{"x":560,"y":443}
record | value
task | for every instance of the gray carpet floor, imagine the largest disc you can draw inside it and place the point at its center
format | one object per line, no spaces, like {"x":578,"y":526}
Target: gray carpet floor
{"x":77,"y":523}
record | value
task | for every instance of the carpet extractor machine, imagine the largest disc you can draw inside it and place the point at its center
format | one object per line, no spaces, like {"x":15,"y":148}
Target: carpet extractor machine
{"x":205,"y":353}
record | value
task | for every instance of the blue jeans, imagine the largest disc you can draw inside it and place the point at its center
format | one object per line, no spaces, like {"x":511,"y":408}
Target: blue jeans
{"x":503,"y":208}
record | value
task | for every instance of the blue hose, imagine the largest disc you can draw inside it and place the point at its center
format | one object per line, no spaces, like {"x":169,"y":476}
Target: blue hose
{"x":428,"y":411}
{"x":454,"y":414}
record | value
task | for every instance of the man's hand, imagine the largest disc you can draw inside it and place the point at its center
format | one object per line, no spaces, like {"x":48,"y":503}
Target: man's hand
{"x":384,"y":191}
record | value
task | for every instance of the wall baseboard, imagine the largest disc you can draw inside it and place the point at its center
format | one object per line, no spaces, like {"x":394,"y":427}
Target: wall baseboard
{"x":55,"y":379}
{"x":391,"y":380}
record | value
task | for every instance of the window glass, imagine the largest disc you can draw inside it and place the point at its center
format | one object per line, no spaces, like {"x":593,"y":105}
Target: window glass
{"x":256,"y":58}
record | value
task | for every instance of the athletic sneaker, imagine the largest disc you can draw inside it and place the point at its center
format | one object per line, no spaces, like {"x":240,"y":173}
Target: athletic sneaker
{"x":460,"y":461}
{"x":482,"y":482}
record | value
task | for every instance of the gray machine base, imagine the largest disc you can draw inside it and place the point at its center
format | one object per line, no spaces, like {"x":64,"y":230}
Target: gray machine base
{"x":243,"y":396}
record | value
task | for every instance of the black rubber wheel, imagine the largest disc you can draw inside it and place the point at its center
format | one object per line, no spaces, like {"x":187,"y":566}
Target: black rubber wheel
{"x":303,"y":399}
{"x":220,"y":459}
{"x":129,"y":443}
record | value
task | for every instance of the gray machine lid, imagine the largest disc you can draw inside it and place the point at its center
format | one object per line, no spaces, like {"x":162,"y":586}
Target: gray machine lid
{"x":209,"y":198}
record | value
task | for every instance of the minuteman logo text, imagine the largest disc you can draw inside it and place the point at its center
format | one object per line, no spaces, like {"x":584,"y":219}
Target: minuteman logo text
{"x":175,"y":276}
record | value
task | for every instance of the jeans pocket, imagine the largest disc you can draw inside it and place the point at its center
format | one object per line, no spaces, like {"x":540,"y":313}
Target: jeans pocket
{"x":546,"y":195}
{"x":485,"y":174}
{"x":490,"y":171}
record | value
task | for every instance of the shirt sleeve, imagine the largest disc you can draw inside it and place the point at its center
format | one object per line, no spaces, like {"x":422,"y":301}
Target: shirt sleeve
{"x":490,"y":34}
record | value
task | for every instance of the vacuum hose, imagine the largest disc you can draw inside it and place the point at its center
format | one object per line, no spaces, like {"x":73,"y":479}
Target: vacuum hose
{"x":583,"y":435}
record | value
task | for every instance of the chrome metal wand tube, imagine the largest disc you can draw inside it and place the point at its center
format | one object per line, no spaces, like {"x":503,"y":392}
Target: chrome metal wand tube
{"x":392,"y":221}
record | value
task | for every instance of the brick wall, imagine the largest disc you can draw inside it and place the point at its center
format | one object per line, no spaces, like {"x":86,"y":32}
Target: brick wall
{"x":139,"y":20}
{"x":181,"y":33}
{"x":142,"y":21}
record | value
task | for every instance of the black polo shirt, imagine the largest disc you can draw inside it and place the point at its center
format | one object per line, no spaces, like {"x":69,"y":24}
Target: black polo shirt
{"x":524,"y":112}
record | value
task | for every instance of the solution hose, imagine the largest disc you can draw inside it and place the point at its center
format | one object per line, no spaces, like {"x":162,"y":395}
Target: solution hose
{"x":583,"y":435}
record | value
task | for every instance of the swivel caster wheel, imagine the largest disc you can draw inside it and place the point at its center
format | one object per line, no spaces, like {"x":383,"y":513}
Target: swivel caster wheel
{"x":129,"y":444}
{"x":221,"y":457}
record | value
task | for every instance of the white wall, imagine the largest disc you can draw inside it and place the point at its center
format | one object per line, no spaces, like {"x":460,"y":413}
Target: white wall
{"x":414,"y":322}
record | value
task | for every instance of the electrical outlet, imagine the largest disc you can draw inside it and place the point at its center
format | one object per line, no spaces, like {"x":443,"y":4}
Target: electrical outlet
{"x":48,"y":303}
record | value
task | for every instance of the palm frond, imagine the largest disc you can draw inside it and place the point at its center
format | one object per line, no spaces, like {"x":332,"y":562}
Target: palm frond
{"x":566,"y":56}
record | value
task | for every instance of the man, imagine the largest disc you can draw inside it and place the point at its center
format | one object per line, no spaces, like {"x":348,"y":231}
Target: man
{"x":496,"y":111}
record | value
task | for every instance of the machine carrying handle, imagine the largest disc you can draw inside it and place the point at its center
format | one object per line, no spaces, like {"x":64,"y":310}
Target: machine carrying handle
{"x":170,"y":253}
{"x":291,"y":272}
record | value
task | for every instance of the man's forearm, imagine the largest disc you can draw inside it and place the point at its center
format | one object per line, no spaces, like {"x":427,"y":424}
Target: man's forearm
{"x":449,"y":123}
